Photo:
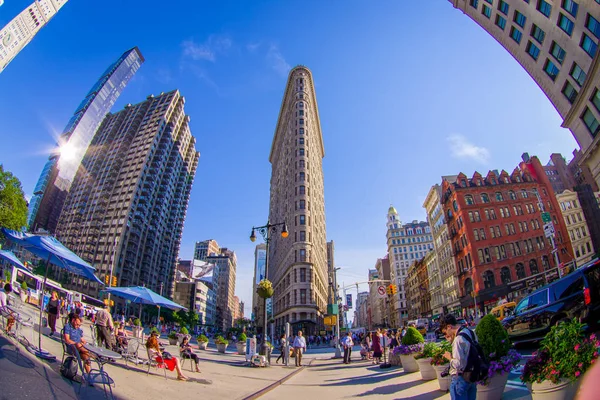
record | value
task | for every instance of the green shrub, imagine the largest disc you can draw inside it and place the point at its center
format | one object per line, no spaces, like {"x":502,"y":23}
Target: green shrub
{"x":172,"y":335}
{"x":24,"y":285}
{"x":242,"y":338}
{"x":428,"y":350}
{"x":221,"y":340}
{"x":184,"y":331}
{"x":137,"y":322}
{"x":155,"y":330}
{"x":413,"y":336}
{"x":438,"y":355}
{"x":492,"y":337}
{"x":202,"y":339}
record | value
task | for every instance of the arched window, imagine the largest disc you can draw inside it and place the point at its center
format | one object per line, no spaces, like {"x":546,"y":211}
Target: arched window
{"x":524,"y":194}
{"x":520,"y":271}
{"x":468,"y":286}
{"x":463,"y":183}
{"x":469,"y":200}
{"x":449,"y":214}
{"x":512,"y":195}
{"x":545,"y":263}
{"x":488,"y":279}
{"x":499,"y":196}
{"x":485,"y":198}
{"x":533,"y":267}
{"x":505,"y":275}
{"x":301,"y":176}
{"x":454,"y":205}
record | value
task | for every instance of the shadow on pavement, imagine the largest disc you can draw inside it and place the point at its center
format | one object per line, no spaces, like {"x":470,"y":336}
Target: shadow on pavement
{"x":13,"y":355}
{"x":436,"y":394}
{"x":391,"y":389}
{"x":363,"y":380}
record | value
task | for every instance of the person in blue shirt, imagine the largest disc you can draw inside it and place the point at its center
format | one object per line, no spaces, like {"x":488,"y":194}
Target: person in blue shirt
{"x":74,"y":336}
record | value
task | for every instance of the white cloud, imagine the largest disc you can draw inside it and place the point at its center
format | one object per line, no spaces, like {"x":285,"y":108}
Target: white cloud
{"x":462,"y":148}
{"x":277,"y":61}
{"x":252,"y":47}
{"x":207,"y":50}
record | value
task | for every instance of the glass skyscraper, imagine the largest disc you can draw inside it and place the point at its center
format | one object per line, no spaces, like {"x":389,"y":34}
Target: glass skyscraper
{"x":58,"y":173}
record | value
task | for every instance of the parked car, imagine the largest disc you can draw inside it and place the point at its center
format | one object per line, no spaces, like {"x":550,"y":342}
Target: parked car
{"x":576,"y":295}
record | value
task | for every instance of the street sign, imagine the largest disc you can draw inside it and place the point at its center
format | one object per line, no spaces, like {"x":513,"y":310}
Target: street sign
{"x":349,"y":300}
{"x":330,"y":320}
{"x":549,"y":229}
{"x":546,"y":217}
{"x":381,"y":291}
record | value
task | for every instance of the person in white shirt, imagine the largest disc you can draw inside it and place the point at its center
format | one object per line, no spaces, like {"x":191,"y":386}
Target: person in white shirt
{"x":347,"y":342}
{"x":10,"y":319}
{"x":299,"y":348}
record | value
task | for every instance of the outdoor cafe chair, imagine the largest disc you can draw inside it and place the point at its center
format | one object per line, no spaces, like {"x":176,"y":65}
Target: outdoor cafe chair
{"x":130,"y":352}
{"x":95,"y":376}
{"x":155,"y":360}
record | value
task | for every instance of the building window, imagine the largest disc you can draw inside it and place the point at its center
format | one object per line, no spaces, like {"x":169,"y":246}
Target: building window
{"x":577,"y":74}
{"x":303,"y":236}
{"x":500,"y":22}
{"x":302,"y":204}
{"x":515,"y":34}
{"x":302,"y":131}
{"x":544,"y":7}
{"x":303,"y":220}
{"x":505,"y":275}
{"x":557,"y":52}
{"x":301,"y":152}
{"x":469,"y":200}
{"x":512,"y":195}
{"x":532,"y":50}
{"x":503,"y":7}
{"x":519,"y":19}
{"x":499,"y":196}
{"x":474,"y":3}
{"x":488,"y":279}
{"x":538,"y":34}
{"x":551,"y":70}
{"x":569,"y":91}
{"x":588,"y":45}
{"x":593,"y":25}
{"x":520,"y":271}
{"x":565,"y":24}
{"x":533,"y":267}
{"x":486,"y":11}
{"x":571,"y":7}
{"x":596,"y":100}
{"x":590,"y":121}
{"x":301,"y":121}
{"x":485,"y":198}
{"x":302,"y":189}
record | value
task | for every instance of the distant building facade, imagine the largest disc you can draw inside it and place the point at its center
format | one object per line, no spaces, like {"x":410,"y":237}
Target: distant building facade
{"x":224,"y":279}
{"x":577,"y":227}
{"x":205,"y":248}
{"x":258,"y":305}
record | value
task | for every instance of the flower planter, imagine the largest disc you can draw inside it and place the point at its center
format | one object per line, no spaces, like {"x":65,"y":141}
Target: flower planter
{"x":547,"y":390}
{"x":409,"y":363}
{"x":494,"y":388}
{"x":138,"y":331}
{"x":241,"y":348}
{"x":173,"y":341}
{"x":445,"y":381}
{"x":395,"y":359}
{"x":221,"y":347}
{"x":265,"y":293}
{"x":427,"y":371}
{"x":202,"y":345}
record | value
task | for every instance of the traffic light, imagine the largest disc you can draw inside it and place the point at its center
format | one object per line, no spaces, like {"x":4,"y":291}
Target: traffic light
{"x":114,"y":281}
{"x":388,"y":289}
{"x":106,"y":279}
{"x":394,"y":289}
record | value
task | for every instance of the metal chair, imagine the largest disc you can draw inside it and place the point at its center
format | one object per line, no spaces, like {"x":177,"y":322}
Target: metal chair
{"x":156,"y":360}
{"x":133,"y":346}
{"x":65,"y":346}
{"x":183,"y":359}
{"x":95,"y":376}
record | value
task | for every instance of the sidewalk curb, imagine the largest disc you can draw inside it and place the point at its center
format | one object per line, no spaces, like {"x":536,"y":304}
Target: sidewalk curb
{"x":272,"y":386}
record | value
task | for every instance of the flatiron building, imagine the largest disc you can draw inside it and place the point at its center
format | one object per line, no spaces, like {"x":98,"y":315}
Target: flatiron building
{"x":298,"y":264}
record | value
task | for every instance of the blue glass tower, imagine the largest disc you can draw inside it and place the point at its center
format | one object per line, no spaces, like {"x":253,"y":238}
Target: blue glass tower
{"x":58,"y":173}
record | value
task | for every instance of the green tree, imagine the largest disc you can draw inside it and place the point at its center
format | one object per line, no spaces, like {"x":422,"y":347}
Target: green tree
{"x":13,"y":206}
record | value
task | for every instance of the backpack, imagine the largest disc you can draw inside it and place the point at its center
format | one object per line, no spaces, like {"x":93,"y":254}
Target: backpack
{"x":68,"y":369}
{"x":476,"y":362}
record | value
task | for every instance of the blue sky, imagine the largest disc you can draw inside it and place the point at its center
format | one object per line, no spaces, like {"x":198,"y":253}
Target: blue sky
{"x":407,"y":92}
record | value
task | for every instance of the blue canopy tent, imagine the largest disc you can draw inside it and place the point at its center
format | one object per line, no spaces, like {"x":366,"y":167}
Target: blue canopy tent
{"x":143,"y":295}
{"x":53,"y":251}
{"x":12,"y":258}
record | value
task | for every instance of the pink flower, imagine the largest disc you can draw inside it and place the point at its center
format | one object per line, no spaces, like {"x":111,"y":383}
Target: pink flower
{"x":580,"y":365}
{"x":593,"y":337}
{"x":577,"y":373}
{"x":576,"y":347}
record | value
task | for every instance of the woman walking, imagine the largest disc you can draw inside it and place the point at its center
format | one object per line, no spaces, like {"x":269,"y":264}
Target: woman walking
{"x":377,"y":351}
{"x":52,"y":309}
{"x":282,"y":343}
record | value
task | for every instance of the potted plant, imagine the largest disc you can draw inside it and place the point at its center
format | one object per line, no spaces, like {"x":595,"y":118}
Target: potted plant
{"x":172,"y":338}
{"x":565,"y":354}
{"x":412,"y":344}
{"x":202,"y":342}
{"x":138,"y":330}
{"x":423,"y":359}
{"x":23,"y":292}
{"x":441,"y":364}
{"x":265,"y":289}
{"x":221,"y":343}
{"x":496,"y":346}
{"x":241,"y":344}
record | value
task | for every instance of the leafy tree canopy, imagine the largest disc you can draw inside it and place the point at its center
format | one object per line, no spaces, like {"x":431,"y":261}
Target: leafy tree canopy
{"x":13,"y":206}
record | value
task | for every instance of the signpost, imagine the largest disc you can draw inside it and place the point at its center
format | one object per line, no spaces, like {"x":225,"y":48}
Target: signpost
{"x":546,"y":217}
{"x":549,"y":229}
{"x":381,"y":293}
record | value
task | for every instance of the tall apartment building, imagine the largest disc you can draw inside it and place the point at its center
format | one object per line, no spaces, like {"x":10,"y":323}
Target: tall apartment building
{"x":559,"y":174}
{"x":258,"y":305}
{"x":224,"y":274}
{"x":406,"y":243}
{"x":497,"y":233}
{"x":374,"y":311}
{"x":57,"y":176}
{"x":556,"y":42}
{"x":126,"y":208}
{"x":362,"y":306}
{"x":447,"y":296}
{"x":577,"y":226}
{"x":205,"y":248}
{"x":21,"y":30}
{"x":194,"y":294}
{"x":298,"y":263}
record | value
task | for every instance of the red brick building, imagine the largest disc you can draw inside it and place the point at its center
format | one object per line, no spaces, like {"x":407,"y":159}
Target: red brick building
{"x":497,"y":233}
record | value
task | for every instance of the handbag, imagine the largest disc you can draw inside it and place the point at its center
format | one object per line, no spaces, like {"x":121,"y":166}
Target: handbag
{"x":166,"y":355}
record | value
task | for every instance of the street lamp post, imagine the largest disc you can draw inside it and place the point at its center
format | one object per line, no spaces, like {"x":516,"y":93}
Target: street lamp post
{"x":265,"y":231}
{"x":338,"y":351}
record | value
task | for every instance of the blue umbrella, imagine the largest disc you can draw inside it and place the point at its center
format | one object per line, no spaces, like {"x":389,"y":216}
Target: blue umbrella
{"x":54,"y":252}
{"x":143,"y":295}
{"x":10,"y":256}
